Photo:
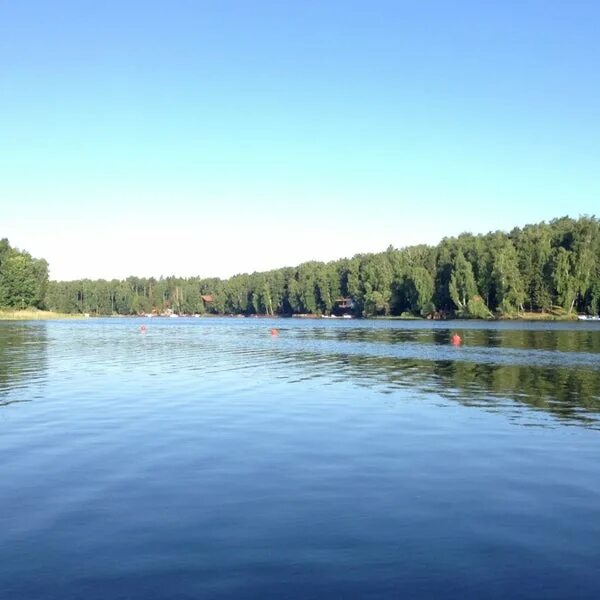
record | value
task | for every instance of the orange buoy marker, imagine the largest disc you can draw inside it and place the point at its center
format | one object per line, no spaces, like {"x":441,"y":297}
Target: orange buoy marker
{"x":274,"y":332}
{"x":456,"y":340}
{"x":143,"y":329}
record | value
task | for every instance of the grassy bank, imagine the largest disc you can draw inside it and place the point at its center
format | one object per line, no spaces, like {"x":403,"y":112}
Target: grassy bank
{"x":30,"y":314}
{"x":544,"y":316}
{"x":555,"y":314}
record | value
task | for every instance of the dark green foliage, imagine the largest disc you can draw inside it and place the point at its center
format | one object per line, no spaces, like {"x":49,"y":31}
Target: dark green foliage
{"x":535,"y":268}
{"x":23,"y":279}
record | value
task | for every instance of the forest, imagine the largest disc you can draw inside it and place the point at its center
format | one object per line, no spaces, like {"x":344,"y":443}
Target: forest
{"x":542,"y":267}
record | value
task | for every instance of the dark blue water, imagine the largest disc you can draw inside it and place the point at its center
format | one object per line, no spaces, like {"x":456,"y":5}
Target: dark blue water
{"x":207,"y":459}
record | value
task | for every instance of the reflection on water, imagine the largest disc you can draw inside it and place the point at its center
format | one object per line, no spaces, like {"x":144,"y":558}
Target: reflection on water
{"x":204,"y":458}
{"x":566,"y":393}
{"x":556,"y":369}
{"x":529,"y":367}
{"x":23,"y":361}
{"x":563,"y":340}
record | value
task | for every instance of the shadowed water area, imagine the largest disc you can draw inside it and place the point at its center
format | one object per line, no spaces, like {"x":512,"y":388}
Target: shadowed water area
{"x":206,"y":458}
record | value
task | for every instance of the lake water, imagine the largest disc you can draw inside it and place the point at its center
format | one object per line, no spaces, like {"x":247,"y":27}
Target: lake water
{"x":205,"y":458}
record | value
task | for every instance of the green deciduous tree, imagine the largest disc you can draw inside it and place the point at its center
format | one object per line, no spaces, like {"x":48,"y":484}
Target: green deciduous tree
{"x":23,"y":279}
{"x":507,"y":280}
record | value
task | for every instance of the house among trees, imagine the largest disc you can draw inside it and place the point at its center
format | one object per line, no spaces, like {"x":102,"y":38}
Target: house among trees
{"x":208,"y":299}
{"x":344,"y":304}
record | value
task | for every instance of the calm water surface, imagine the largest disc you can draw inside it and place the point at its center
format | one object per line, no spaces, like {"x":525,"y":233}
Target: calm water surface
{"x":206,"y":459}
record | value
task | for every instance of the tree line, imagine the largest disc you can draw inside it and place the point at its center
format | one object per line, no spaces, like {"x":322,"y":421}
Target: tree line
{"x":23,"y":279}
{"x":535,"y":268}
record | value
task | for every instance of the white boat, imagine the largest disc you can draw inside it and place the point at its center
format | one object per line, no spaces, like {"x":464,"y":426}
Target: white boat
{"x":588,"y":318}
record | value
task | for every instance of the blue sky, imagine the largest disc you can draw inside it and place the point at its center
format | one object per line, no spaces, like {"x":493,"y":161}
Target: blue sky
{"x":215,"y":137}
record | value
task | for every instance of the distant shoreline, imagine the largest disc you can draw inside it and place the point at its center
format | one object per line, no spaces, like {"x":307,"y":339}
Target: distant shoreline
{"x":44,"y":315}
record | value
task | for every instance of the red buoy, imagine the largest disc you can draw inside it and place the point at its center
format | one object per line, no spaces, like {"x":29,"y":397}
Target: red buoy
{"x":456,"y":340}
{"x":143,"y":328}
{"x":274,"y":332}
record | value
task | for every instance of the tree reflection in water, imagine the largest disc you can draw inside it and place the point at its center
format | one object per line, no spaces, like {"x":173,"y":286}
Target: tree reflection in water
{"x":23,"y":360}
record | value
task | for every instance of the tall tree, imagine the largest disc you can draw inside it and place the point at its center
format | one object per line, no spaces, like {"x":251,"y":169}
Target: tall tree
{"x":507,"y":280}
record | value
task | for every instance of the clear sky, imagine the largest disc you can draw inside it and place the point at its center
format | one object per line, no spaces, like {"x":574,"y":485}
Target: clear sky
{"x":208,"y":138}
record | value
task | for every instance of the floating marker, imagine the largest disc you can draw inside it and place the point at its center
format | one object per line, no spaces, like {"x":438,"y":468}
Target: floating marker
{"x":274,"y":332}
{"x":456,"y":340}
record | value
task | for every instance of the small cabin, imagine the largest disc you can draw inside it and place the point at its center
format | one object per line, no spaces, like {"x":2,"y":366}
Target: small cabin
{"x":344,"y":303}
{"x":207,"y":300}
